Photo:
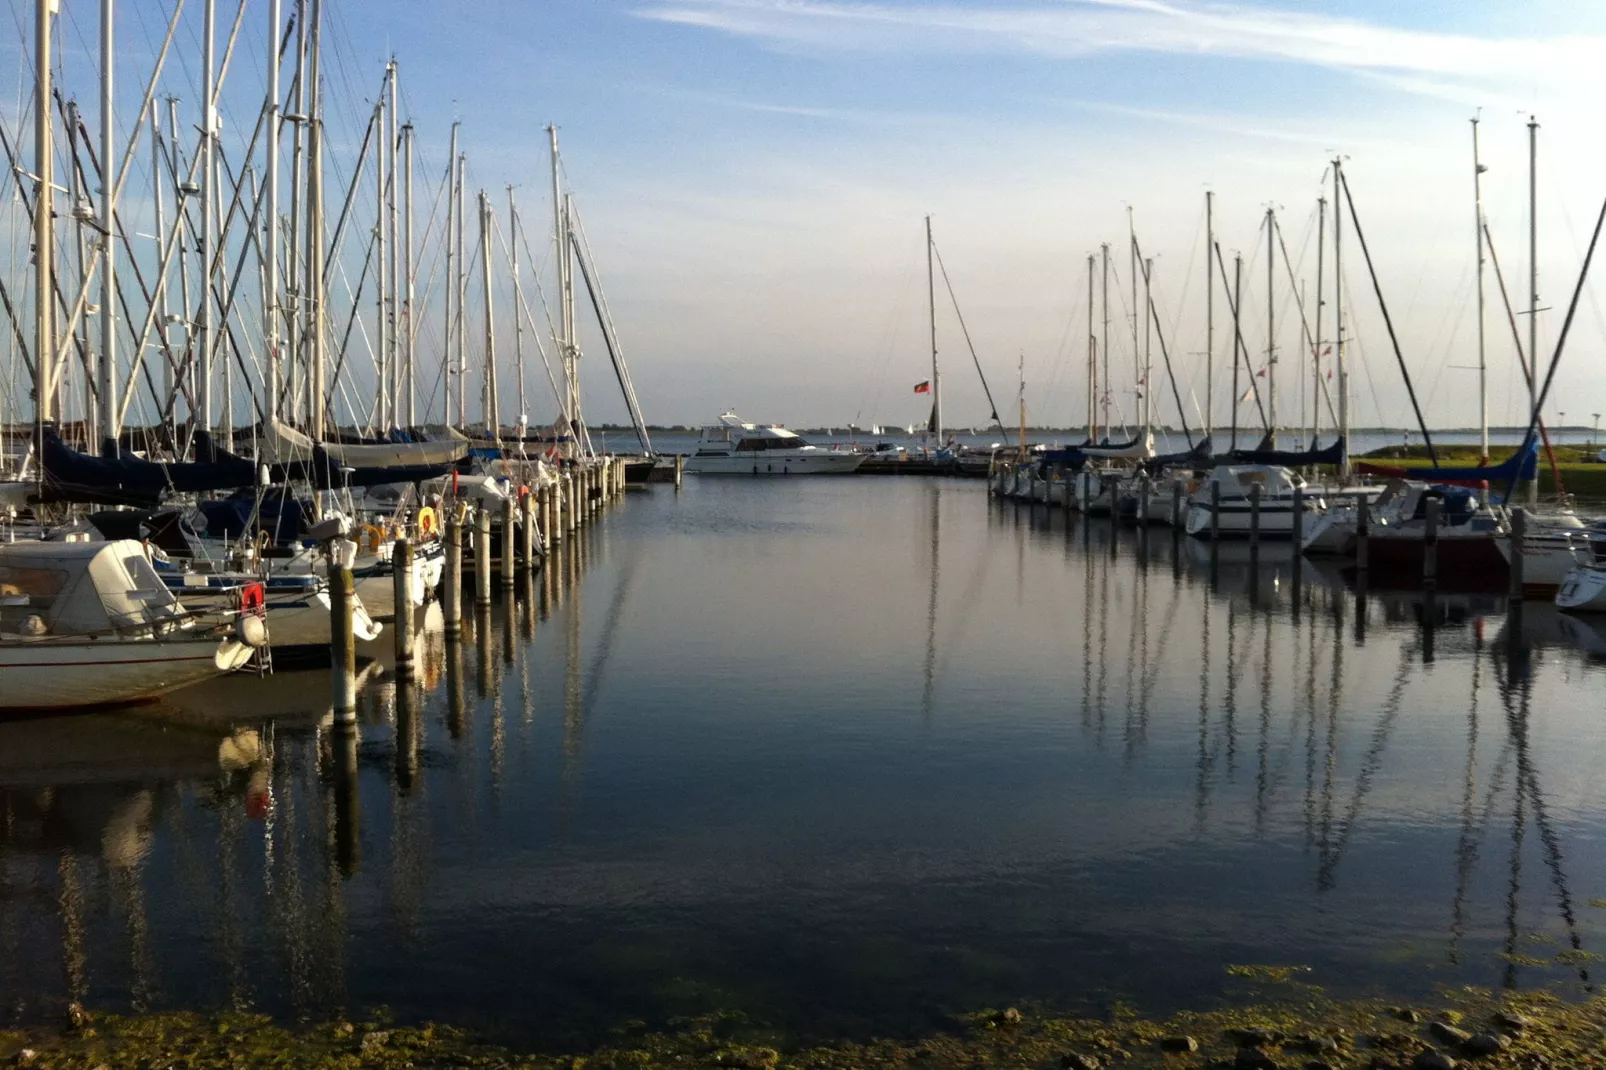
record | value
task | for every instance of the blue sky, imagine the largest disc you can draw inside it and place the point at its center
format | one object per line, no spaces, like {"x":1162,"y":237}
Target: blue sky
{"x":754,"y":175}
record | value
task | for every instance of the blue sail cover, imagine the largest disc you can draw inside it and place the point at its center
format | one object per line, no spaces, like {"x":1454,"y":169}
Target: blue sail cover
{"x":1333,"y":454}
{"x":70,"y":476}
{"x":1198,"y":454}
{"x":1524,"y":464}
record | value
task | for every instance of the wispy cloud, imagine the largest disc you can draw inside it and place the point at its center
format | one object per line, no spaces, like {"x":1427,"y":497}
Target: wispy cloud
{"x":1443,"y":63}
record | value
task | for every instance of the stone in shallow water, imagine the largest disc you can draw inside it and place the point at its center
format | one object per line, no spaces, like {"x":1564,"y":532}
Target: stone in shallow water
{"x":1253,"y":1059}
{"x":1449,"y":1034}
{"x":1078,"y":1061}
{"x":1181,"y":1044}
{"x":1485,"y":1044}
{"x":1433,"y":1059}
{"x":1512,"y":1022}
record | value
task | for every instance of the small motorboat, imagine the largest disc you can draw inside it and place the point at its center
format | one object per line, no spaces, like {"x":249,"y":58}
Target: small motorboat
{"x":86,"y":624}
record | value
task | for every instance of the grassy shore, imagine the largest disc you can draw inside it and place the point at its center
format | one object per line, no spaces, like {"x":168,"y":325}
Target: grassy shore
{"x":1302,"y":1029}
{"x":1581,"y":473}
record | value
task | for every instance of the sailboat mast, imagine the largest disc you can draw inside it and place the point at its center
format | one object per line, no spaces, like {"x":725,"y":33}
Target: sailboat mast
{"x":1092,"y":360}
{"x":1321,"y":295}
{"x":1021,"y":370}
{"x":270,"y":270}
{"x":44,"y":322}
{"x":1132,"y":270}
{"x":1237,"y":307}
{"x":488,"y":402}
{"x":449,"y":372}
{"x":108,"y":206}
{"x":313,"y":287}
{"x":382,"y":370}
{"x":1533,"y":286}
{"x":1338,"y":318}
{"x":1148,"y":343}
{"x":1271,"y":327}
{"x":1210,"y":311}
{"x":935,"y":425}
{"x":1483,"y":367}
{"x":460,"y":327}
{"x":518,"y":300}
{"x":1104,"y":347}
{"x":203,"y":319}
{"x":559,"y":232}
{"x":392,"y":228}
{"x":409,"y":351}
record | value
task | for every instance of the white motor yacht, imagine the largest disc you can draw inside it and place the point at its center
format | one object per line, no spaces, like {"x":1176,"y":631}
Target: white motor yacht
{"x":92,"y":624}
{"x":734,"y":447}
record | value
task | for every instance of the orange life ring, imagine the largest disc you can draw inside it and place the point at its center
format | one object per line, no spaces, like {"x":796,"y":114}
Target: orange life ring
{"x":427,"y":521}
{"x":371,"y":536}
{"x":252,"y":600}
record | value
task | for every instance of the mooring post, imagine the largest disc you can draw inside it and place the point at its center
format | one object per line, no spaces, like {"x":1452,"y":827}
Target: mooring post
{"x":401,"y":574}
{"x":680,"y":468}
{"x":571,"y":519}
{"x":1143,"y":500}
{"x":342,"y":639}
{"x":1296,"y":529}
{"x":510,"y":536}
{"x":1255,"y":491}
{"x":452,"y":582}
{"x":527,"y":534}
{"x":1215,"y":509}
{"x":1176,"y":504}
{"x":1430,"y":540}
{"x":482,"y":557}
{"x":1363,"y":532}
{"x":1519,"y":539}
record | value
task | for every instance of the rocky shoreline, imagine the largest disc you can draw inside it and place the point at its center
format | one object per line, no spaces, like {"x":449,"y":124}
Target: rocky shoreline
{"x":1475,"y":1030}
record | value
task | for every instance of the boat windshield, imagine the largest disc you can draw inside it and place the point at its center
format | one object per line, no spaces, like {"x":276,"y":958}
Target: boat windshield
{"x":755,"y":444}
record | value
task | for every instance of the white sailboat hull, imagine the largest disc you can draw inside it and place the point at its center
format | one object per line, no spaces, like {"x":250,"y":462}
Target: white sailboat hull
{"x":73,"y":674}
{"x":1583,"y":589}
{"x":1547,"y":564}
{"x":778,"y":463}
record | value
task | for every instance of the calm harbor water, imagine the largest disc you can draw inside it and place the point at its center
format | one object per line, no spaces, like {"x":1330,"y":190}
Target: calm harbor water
{"x":849,"y":755}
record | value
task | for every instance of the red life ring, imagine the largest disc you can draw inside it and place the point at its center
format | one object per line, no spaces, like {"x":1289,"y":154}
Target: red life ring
{"x":252,"y":599}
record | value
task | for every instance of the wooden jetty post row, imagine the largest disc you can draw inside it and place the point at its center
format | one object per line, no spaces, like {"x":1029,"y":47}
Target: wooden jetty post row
{"x":1519,"y":538}
{"x":482,"y":557}
{"x":342,"y":637}
{"x":1430,"y":540}
{"x":1363,"y":532}
{"x":507,"y":564}
{"x":452,"y":582}
{"x":527,"y":535}
{"x":1255,"y":492}
{"x":1296,"y":530}
{"x":401,"y":575}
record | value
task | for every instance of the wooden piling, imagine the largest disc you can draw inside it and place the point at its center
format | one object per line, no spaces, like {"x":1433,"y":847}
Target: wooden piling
{"x":1255,"y":492}
{"x":508,"y":564}
{"x":1363,"y":532}
{"x":1430,"y":540}
{"x":680,"y":468}
{"x":570,"y":513}
{"x":1176,"y":505}
{"x":1143,"y":500}
{"x":342,"y":642}
{"x":452,"y":582}
{"x":482,"y":557}
{"x":1518,"y":540}
{"x":1296,"y":523}
{"x":401,"y":574}
{"x":527,"y":533}
{"x":1215,"y":510}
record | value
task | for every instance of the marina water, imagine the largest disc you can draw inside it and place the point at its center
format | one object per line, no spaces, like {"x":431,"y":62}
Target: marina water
{"x":850,"y":756}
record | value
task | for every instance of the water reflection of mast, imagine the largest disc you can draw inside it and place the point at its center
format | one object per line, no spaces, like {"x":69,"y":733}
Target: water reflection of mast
{"x":1466,"y":850}
{"x":1201,"y":798}
{"x":933,"y":564}
{"x":1327,"y":873}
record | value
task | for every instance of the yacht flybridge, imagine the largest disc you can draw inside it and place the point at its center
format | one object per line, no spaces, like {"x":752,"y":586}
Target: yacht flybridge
{"x":734,"y":447}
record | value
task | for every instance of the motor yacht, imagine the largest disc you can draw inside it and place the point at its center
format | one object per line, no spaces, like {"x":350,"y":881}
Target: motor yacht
{"x":735,"y":447}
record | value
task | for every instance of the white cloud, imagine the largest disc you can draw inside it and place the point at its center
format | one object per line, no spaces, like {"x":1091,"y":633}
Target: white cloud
{"x":1424,"y":61}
